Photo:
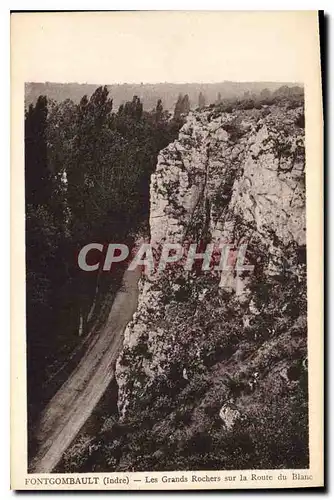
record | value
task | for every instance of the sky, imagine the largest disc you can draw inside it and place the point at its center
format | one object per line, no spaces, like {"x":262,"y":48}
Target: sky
{"x":172,"y":46}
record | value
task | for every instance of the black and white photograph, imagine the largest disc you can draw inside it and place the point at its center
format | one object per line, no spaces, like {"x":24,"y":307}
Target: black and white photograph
{"x":166,"y":251}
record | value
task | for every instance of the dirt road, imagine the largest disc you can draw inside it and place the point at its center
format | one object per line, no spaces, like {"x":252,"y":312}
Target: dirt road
{"x":72,"y":405}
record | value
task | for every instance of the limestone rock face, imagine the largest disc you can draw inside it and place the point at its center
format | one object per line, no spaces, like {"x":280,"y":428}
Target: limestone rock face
{"x":229,"y":415}
{"x":239,"y":178}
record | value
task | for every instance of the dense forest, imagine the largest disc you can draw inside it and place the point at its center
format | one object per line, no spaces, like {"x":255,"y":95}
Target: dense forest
{"x":87,"y":170}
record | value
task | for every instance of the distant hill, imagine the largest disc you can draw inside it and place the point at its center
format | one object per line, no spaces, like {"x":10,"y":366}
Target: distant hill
{"x":149,"y":93}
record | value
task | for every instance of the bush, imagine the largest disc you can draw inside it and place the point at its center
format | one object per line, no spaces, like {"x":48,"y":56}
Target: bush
{"x":300,"y":120}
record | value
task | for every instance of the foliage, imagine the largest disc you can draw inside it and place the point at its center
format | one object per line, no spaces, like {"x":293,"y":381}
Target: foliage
{"x":201,"y":100}
{"x":182,"y":107}
{"x":220,"y":351}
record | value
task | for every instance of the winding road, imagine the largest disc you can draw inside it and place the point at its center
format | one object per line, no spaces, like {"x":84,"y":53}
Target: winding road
{"x":73,"y":404}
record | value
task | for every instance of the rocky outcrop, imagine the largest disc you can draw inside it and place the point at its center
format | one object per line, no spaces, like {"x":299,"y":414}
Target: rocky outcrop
{"x":213,"y":372}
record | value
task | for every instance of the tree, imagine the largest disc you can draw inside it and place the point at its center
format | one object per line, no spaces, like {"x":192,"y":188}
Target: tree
{"x":185,"y":104}
{"x":178,"y":107}
{"x":265,"y":94}
{"x":87,"y":179}
{"x":45,"y":269}
{"x":134,"y":108}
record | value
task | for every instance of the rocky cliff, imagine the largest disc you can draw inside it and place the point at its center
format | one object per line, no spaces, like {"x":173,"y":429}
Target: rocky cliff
{"x":213,"y":372}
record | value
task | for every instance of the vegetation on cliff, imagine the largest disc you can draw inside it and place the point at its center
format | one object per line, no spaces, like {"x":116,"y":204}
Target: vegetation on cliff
{"x":87,"y":171}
